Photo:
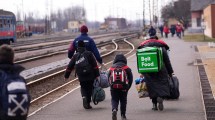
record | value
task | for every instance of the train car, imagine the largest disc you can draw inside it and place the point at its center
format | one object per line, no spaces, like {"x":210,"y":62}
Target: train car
{"x":23,"y":30}
{"x":7,"y":27}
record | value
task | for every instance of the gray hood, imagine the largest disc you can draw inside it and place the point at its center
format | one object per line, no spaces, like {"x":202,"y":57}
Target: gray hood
{"x":120,"y":58}
{"x":14,"y":68}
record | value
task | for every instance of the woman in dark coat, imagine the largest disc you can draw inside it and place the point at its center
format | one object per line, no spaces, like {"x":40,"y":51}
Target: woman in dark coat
{"x":157,"y":83}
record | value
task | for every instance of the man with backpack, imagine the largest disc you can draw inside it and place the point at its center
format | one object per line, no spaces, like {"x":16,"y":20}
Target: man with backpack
{"x":89,"y":44}
{"x":14,"y":96}
{"x":157,"y":82}
{"x":87,"y":70}
{"x":152,"y":31}
{"x":121,"y":78}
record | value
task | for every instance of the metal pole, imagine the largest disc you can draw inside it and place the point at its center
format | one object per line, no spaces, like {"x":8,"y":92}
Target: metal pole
{"x":23,"y":19}
{"x":150,"y":12}
{"x":83,"y":12}
{"x":204,"y":33}
{"x":143,"y":14}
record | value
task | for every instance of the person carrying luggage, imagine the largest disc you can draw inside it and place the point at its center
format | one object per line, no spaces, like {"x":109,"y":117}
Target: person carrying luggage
{"x":87,"y":70}
{"x":121,"y":78}
{"x":157,"y":82}
{"x":89,"y":44}
{"x":14,"y":95}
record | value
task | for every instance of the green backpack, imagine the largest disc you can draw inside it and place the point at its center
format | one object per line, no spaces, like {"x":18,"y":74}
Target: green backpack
{"x":98,"y":93}
{"x":149,"y":59}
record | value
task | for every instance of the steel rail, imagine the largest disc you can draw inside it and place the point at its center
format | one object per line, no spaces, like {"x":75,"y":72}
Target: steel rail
{"x":51,"y":54}
{"x":59,"y":72}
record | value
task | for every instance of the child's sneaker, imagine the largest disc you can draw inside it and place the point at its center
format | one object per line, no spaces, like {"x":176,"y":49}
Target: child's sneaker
{"x":114,"y":115}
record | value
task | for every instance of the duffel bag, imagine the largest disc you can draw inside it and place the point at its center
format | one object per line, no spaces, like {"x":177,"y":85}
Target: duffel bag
{"x":98,"y":94}
{"x":174,"y":88}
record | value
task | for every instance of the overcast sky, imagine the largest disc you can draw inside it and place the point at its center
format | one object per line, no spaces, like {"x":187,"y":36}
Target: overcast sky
{"x":96,"y":9}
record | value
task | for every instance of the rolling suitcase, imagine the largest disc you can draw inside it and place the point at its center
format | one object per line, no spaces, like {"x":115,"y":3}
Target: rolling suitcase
{"x":174,"y":88}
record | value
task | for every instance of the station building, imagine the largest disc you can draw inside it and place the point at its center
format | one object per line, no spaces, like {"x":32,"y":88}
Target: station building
{"x":209,"y":20}
{"x":197,"y":9}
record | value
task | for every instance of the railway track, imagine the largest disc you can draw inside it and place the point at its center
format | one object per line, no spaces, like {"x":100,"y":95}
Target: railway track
{"x":54,"y":53}
{"x":48,"y":39}
{"x":73,"y":83}
{"x":49,"y":44}
{"x":18,"y":46}
{"x":38,"y":51}
{"x":51,"y":54}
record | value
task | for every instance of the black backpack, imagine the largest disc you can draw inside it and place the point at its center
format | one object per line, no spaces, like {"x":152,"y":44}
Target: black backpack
{"x":14,"y":96}
{"x":82,"y":65}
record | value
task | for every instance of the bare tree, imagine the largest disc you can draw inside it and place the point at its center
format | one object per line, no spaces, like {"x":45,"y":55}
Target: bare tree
{"x":30,"y":18}
{"x":74,"y":13}
{"x":180,"y":11}
{"x":62,"y":17}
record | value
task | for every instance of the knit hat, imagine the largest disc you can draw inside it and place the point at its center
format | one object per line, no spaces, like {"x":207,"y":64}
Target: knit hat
{"x":6,"y":54}
{"x":84,"y":29}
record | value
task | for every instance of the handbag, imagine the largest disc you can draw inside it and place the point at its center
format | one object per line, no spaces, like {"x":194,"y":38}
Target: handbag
{"x":142,"y":90}
{"x":103,"y":78}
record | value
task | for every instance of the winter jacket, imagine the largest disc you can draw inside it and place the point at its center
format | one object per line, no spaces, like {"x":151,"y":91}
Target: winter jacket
{"x":152,"y":32}
{"x":121,"y":61}
{"x":161,"y":28}
{"x":157,"y":83}
{"x":166,"y":29}
{"x":8,"y":68}
{"x":90,"y":46}
{"x":178,"y":28}
{"x":91,"y":59}
{"x":151,"y":42}
{"x":172,"y":29}
{"x":13,"y":68}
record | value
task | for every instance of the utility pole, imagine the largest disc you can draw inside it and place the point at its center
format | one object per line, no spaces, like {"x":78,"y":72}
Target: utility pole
{"x":150,"y":14}
{"x":95,"y":17}
{"x":155,"y":12}
{"x":144,"y":15}
{"x":23,"y":12}
{"x":153,"y":8}
{"x":83,"y":12}
{"x":51,"y":17}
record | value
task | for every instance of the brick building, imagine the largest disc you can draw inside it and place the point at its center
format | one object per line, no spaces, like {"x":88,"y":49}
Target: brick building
{"x":197,"y":7}
{"x":116,"y":23}
{"x":209,"y":20}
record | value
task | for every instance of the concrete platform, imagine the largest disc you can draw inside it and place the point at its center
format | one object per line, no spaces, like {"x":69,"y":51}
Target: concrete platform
{"x":188,"y":107}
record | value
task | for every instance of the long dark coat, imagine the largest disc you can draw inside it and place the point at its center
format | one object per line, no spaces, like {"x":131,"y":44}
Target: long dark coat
{"x":157,"y":83}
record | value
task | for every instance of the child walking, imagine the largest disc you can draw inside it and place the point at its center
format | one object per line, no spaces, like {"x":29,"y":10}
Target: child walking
{"x":120,"y":78}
